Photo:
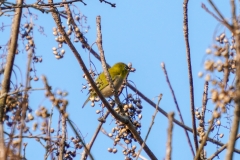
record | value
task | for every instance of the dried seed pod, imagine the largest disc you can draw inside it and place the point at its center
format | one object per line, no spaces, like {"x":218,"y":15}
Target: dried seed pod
{"x":110,"y":150}
{"x":77,"y":18}
{"x":221,"y":135}
{"x":114,"y":150}
{"x":110,"y":134}
{"x":208,"y":77}
{"x":218,"y":122}
{"x":30,"y":116}
{"x":216,"y":114}
{"x":200,"y":74}
{"x":208,"y":51}
{"x":140,"y":116}
{"x":98,"y":111}
{"x":222,"y":36}
{"x":214,"y":95}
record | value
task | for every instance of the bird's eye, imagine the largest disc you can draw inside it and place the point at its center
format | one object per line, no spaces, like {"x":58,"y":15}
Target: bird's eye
{"x":126,"y":67}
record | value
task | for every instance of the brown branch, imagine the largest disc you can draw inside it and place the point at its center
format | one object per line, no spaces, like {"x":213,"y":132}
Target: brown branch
{"x":236,"y":118}
{"x":204,"y":139}
{"x":24,"y":102}
{"x":204,"y":105}
{"x":7,"y":72}
{"x":151,"y":124}
{"x":89,"y":146}
{"x":185,"y":31}
{"x":39,"y":6}
{"x":221,"y":16}
{"x":207,"y":10}
{"x":178,"y":108}
{"x":169,"y":139}
{"x":50,"y":94}
{"x":63,"y":138}
{"x":221,"y":149}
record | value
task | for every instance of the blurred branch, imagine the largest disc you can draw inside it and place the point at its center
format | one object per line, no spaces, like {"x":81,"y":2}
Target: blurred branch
{"x":204,"y":139}
{"x":50,"y":94}
{"x":169,"y":139}
{"x":236,"y":118}
{"x":9,"y":5}
{"x":207,"y":10}
{"x":192,"y":108}
{"x":204,"y":106}
{"x":178,"y":109}
{"x":89,"y":146}
{"x":221,"y":149}
{"x":221,"y":16}
{"x":7,"y":72}
{"x":20,"y":91}
{"x":23,"y":104}
{"x":63,"y":137}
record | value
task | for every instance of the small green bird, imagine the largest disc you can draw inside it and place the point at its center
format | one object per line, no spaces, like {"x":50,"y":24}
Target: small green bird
{"x":118,"y":73}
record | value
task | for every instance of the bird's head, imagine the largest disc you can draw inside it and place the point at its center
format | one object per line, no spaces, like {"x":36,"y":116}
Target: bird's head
{"x":121,"y":68}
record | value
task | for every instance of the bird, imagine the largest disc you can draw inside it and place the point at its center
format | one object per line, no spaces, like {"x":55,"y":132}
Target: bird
{"x":118,"y":73}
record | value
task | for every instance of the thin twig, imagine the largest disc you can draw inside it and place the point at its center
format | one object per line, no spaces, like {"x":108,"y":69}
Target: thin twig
{"x":38,"y":6}
{"x":20,"y":91}
{"x":192,"y":108}
{"x":89,"y":146}
{"x":221,"y":149}
{"x":63,"y":137}
{"x":150,"y":127}
{"x":178,"y":108}
{"x":236,"y":118}
{"x":48,"y":88}
{"x":204,"y":139}
{"x":169,"y":139}
{"x":104,"y":64}
{"x":24,"y":102}
{"x":207,"y":10}
{"x":204,"y":105}
{"x":111,"y":4}
{"x":221,"y":16}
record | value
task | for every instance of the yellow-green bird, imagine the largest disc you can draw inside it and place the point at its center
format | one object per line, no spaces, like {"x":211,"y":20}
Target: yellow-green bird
{"x":118,"y":73}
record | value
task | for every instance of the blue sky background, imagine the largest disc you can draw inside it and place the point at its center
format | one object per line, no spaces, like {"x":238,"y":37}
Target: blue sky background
{"x":144,"y":33}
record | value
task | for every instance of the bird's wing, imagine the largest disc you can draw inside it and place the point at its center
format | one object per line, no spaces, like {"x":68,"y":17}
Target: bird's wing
{"x":102,"y":78}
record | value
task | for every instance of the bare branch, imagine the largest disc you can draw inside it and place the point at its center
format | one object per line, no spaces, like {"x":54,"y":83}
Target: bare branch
{"x":221,"y":16}
{"x":178,"y":108}
{"x":236,"y":118}
{"x":8,"y":71}
{"x":89,"y":146}
{"x":192,"y":108}
{"x":150,"y":127}
{"x":169,"y":139}
{"x":221,"y":149}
